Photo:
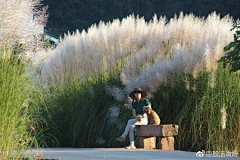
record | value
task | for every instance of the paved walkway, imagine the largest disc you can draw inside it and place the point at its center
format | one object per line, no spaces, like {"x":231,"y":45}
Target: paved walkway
{"x":118,"y":154}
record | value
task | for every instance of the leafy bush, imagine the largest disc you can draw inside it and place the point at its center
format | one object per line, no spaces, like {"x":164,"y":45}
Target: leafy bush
{"x":233,"y":56}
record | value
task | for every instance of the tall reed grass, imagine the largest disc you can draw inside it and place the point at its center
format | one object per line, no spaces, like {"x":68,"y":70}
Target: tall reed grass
{"x":20,"y":101}
{"x":90,"y":74}
{"x":21,"y":98}
{"x":146,"y":52}
{"x":206,"y":109}
{"x":21,"y":25}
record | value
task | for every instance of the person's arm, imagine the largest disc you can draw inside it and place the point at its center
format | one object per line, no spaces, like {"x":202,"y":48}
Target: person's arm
{"x":148,"y":106}
{"x":135,"y":115}
{"x":147,"y":103}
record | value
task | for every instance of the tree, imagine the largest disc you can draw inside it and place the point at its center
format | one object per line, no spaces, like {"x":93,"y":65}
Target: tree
{"x":233,"y":56}
{"x":69,"y":15}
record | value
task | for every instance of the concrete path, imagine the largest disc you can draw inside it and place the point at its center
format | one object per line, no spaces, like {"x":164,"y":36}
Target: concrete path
{"x":118,"y":154}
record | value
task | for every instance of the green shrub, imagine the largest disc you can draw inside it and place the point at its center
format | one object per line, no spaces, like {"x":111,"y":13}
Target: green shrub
{"x":232,"y":57}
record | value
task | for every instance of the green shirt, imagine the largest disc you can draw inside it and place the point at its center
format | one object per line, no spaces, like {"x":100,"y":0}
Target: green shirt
{"x":139,"y":106}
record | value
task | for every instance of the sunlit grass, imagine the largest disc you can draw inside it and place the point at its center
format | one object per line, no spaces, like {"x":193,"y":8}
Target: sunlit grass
{"x":207,"y":114}
{"x":91,"y":73}
{"x":79,"y":91}
{"x":20,"y":106}
{"x":85,"y":115}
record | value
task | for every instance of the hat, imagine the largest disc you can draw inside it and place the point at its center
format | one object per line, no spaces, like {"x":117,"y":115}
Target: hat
{"x":144,"y":94}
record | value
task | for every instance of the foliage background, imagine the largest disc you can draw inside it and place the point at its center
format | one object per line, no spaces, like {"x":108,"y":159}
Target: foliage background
{"x":90,"y":74}
{"x":75,"y":95}
{"x":69,"y":15}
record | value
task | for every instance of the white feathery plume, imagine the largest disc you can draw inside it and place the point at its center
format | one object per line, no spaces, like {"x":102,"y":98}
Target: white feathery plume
{"x":196,"y":71}
{"x":116,"y":92}
{"x":100,"y":141}
{"x":208,"y":58}
{"x":113,"y":114}
{"x":212,"y":80}
{"x":18,"y":26}
{"x":150,"y":53}
{"x":224,"y":117}
{"x":128,"y":103}
{"x":114,"y":111}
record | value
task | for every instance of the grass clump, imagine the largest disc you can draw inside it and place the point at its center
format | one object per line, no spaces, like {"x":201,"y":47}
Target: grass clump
{"x":18,"y":108}
{"x":86,"y":115}
{"x":206,"y":110}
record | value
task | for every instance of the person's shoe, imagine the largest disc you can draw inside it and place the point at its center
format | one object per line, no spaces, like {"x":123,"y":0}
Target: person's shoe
{"x":120,"y":139}
{"x":130,"y":147}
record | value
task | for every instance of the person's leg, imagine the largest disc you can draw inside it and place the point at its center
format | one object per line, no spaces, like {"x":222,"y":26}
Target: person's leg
{"x":129,"y":125}
{"x":127,"y":128}
{"x":143,"y":121}
{"x":131,"y":135}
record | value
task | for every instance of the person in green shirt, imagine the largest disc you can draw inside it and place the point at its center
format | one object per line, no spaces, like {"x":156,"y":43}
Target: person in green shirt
{"x":139,"y":102}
